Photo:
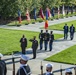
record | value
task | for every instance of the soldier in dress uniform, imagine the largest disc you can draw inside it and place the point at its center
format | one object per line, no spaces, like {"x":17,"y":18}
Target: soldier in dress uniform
{"x":65,"y":31}
{"x":24,"y":67}
{"x":3,"y":68}
{"x":23,"y":42}
{"x":46,"y":39}
{"x":48,"y":69}
{"x":41,"y":37}
{"x":34,"y":46}
{"x":68,"y":72}
{"x":51,"y":39}
{"x":72,"y":30}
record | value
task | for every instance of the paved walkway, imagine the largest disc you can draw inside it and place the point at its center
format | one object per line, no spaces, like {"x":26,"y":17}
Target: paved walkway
{"x":58,"y":46}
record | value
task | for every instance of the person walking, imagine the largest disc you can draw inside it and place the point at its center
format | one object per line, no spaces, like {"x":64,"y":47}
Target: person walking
{"x":72,"y":30}
{"x":41,"y":37}
{"x":24,"y":67}
{"x":23,"y":42}
{"x":65,"y":31}
{"x":3,"y":68}
{"x":46,"y":39}
{"x":51,"y":39}
{"x":34,"y":46}
{"x":49,"y":68}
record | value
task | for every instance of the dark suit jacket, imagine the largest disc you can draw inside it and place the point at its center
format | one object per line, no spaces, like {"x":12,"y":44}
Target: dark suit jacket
{"x":46,"y":36}
{"x":65,"y":29}
{"x":72,"y":29}
{"x":41,"y":36}
{"x":23,"y":42}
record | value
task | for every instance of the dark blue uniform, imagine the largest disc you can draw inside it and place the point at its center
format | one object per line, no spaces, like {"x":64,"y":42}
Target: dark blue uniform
{"x":65,"y":31}
{"x":72,"y":30}
{"x":24,"y":70}
{"x":41,"y":37}
{"x":51,"y":38}
{"x":46,"y":39}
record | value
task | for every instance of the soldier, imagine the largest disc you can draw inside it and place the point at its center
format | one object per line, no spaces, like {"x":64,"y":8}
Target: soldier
{"x":68,"y":72}
{"x":65,"y":31}
{"x":34,"y":46}
{"x":72,"y":30}
{"x":23,"y":41}
{"x":48,"y":69}
{"x":41,"y":37}
{"x":3,"y":68}
{"x":46,"y":39}
{"x":51,"y":38}
{"x":24,"y":67}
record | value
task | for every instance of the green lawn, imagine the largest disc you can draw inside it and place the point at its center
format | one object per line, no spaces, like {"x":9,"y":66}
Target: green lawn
{"x":60,"y":26}
{"x":9,"y":39}
{"x":66,"y":56}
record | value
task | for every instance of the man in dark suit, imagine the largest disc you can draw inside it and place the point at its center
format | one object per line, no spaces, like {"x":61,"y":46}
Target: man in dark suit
{"x":24,"y":67}
{"x":34,"y":46}
{"x":46,"y":39}
{"x":41,"y":37}
{"x":3,"y":68}
{"x":23,"y":41}
{"x":51,"y":39}
{"x":48,"y":69}
{"x":65,"y":31}
{"x":72,"y":30}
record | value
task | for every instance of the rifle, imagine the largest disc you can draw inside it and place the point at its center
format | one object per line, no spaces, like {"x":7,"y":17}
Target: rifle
{"x":60,"y":69}
{"x":41,"y":68}
{"x":13,"y":64}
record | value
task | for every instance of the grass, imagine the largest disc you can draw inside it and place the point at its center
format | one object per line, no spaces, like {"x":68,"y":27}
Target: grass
{"x":9,"y":39}
{"x":61,"y":25}
{"x":66,"y":56}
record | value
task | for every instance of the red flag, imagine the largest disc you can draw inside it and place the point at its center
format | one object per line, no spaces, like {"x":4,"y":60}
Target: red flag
{"x":46,"y":24}
{"x":27,"y":15}
{"x":41,"y":13}
{"x":49,"y":14}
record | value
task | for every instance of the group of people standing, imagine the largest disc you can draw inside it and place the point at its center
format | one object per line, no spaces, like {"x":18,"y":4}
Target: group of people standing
{"x":46,"y":37}
{"x":34,"y":47}
{"x":66,"y":30}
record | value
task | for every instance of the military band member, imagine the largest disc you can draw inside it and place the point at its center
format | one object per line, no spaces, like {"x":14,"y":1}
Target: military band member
{"x":24,"y":67}
{"x":48,"y":69}
{"x":3,"y":68}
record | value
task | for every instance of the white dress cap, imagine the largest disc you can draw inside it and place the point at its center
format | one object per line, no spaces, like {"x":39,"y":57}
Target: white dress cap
{"x":25,"y":58}
{"x":49,"y":65}
{"x":68,"y":70}
{"x":1,"y":55}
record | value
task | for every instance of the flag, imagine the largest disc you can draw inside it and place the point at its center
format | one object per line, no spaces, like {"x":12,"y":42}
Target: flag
{"x":63,"y":11}
{"x":41,"y":13}
{"x":27,"y":15}
{"x":46,"y":24}
{"x":49,"y":14}
{"x":52,"y":12}
{"x":58,"y":12}
{"x":19,"y":16}
{"x":35,"y":13}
